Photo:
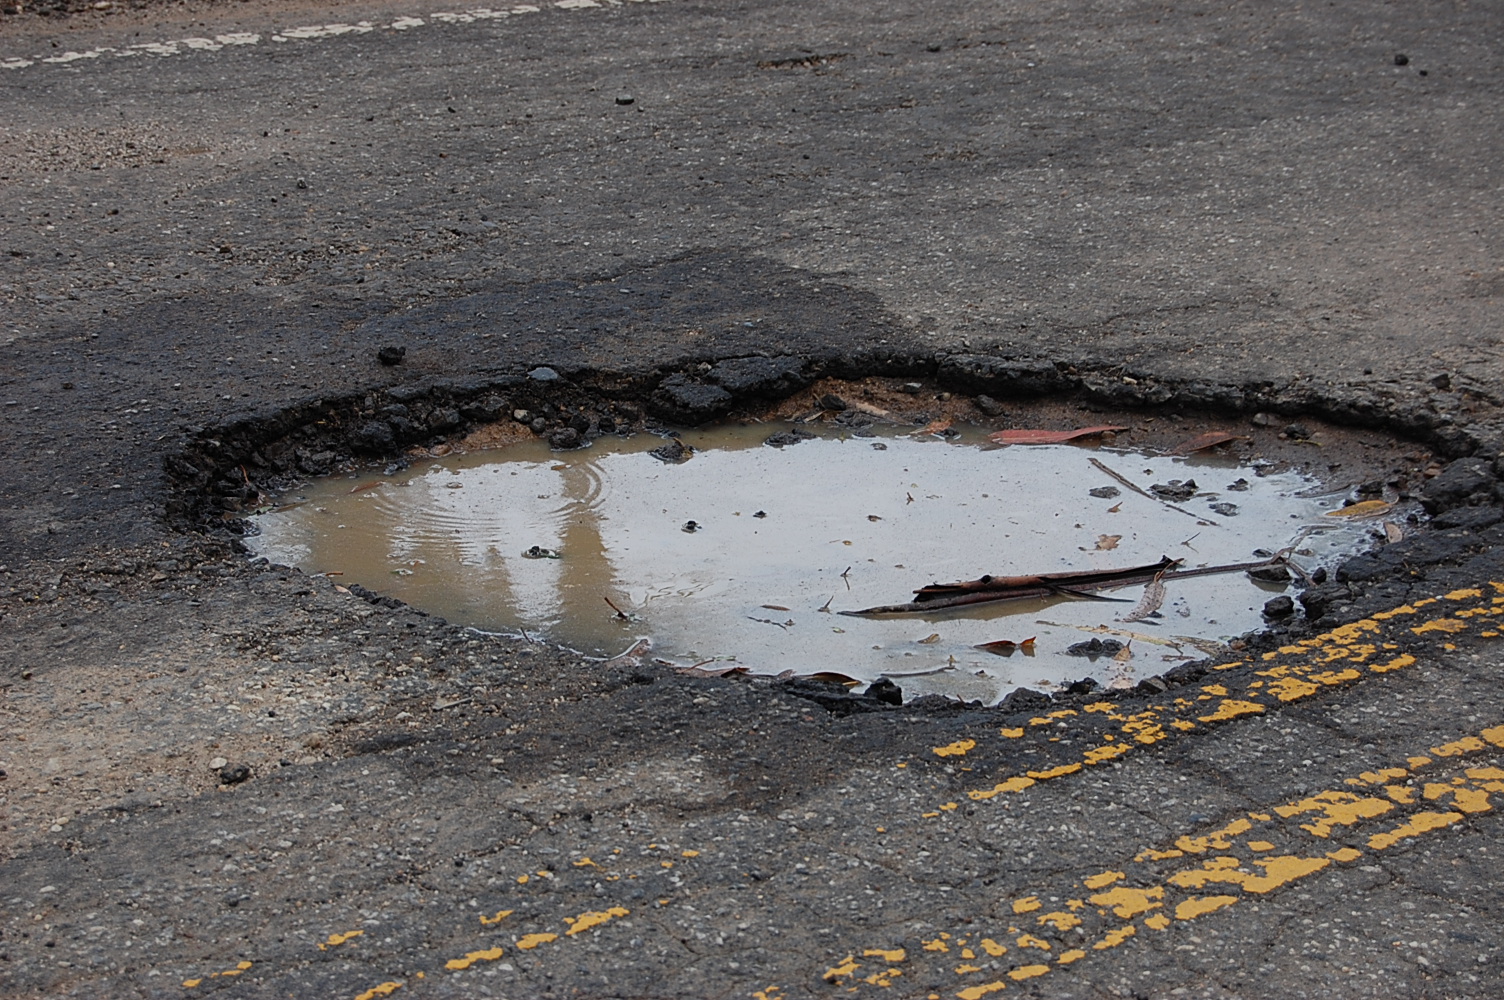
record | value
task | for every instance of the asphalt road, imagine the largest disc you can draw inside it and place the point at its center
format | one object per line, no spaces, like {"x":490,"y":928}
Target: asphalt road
{"x":213,"y":218}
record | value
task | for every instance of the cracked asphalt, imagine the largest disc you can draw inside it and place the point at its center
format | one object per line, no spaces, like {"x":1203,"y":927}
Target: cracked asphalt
{"x":227,"y":778}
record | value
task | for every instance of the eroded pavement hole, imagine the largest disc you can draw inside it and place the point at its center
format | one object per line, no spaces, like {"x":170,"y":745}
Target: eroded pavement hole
{"x":746,"y":545}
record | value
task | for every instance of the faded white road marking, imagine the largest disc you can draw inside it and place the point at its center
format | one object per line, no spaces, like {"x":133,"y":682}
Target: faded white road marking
{"x":307,"y":33}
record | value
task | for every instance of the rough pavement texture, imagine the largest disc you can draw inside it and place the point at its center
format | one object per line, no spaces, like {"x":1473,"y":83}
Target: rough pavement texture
{"x":205,"y":246}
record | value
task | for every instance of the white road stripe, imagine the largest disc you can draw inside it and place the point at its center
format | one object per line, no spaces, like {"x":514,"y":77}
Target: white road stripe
{"x":307,"y":32}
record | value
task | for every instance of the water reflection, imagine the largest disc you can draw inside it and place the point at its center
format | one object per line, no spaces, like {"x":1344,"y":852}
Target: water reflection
{"x":846,"y":523}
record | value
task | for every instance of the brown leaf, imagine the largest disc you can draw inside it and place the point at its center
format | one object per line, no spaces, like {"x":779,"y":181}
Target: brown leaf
{"x":1049,"y":437}
{"x":1115,"y":507}
{"x":1004,"y":647}
{"x":774,"y":607}
{"x":1368,"y":508}
{"x":1393,"y":532}
{"x":1125,"y":654}
{"x":933,"y":638}
{"x":1204,"y":441}
{"x":935,"y":427}
{"x":830,"y":676}
{"x":1108,"y":542}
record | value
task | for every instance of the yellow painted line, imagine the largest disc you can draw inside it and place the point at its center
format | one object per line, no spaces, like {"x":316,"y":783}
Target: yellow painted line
{"x":227,"y":973}
{"x":1213,"y":871}
{"x":380,"y":990}
{"x":335,"y":940}
{"x":1345,"y":655}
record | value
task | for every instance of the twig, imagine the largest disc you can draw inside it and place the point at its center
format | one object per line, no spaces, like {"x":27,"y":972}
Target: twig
{"x":1143,"y":493}
{"x":619,"y":612}
{"x":1048,"y":588}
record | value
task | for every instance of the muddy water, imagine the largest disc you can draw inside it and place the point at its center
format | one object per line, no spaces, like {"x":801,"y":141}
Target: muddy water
{"x":784,"y":538}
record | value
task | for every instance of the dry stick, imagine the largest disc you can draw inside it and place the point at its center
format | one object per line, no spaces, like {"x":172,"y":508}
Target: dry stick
{"x":619,"y":612}
{"x":967,"y":598}
{"x":1132,"y":486}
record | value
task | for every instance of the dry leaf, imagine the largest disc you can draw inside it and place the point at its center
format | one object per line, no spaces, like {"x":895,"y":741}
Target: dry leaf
{"x":1368,"y":508}
{"x":830,"y":676}
{"x":935,"y":427}
{"x":1393,"y":532}
{"x":1115,"y":507}
{"x":1153,"y":599}
{"x":933,"y":638}
{"x":1049,"y":437}
{"x":631,"y":656}
{"x":774,"y":607}
{"x":1108,"y":542}
{"x":1125,"y":654}
{"x":699,"y":671}
{"x":1204,"y":441}
{"x":1005,"y":647}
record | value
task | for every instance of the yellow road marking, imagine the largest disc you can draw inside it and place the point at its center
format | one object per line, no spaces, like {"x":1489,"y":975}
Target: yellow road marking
{"x":1369,"y":646}
{"x":1235,"y":862}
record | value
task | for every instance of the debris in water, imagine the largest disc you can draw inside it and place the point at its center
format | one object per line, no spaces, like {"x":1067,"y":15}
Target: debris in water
{"x":632,"y":655}
{"x":539,"y":552}
{"x":700,"y":670}
{"x":1093,"y":648}
{"x":1225,"y":508}
{"x":934,"y":427}
{"x":675,"y":452}
{"x":1175,"y":489}
{"x":990,"y":588}
{"x":1367,"y":508}
{"x":792,"y":436}
{"x":1202,"y":442}
{"x":1152,"y":601}
{"x":1105,"y":492}
{"x":691,"y":527}
{"x":1005,"y":647}
{"x":1142,"y":492}
{"x":1050,"y":437}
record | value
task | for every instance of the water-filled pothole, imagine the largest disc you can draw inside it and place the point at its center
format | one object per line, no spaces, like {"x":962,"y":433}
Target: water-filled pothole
{"x":745,"y":554}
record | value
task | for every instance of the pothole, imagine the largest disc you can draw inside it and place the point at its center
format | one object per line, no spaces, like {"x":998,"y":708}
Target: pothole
{"x":744,"y":545}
